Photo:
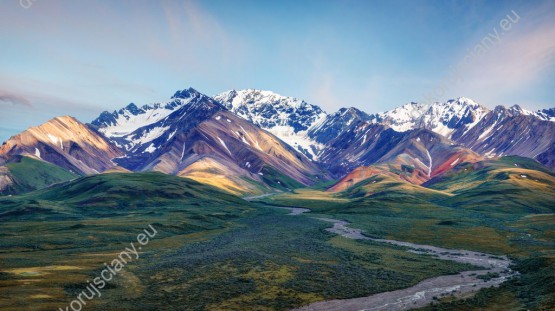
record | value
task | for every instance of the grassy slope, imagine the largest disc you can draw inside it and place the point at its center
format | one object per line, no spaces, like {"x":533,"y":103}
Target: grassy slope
{"x":30,"y":174}
{"x":277,"y":180}
{"x":106,"y":194}
{"x":89,"y":221}
{"x":513,"y":185}
{"x":488,"y":207}
{"x":213,"y":250}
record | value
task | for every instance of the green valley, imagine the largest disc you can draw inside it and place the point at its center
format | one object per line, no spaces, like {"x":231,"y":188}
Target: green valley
{"x":216,"y":251}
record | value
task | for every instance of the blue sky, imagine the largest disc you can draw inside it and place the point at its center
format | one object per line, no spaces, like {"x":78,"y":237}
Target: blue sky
{"x":82,"y":57}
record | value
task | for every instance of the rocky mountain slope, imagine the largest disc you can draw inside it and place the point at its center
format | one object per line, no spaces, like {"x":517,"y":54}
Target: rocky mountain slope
{"x":415,"y":155}
{"x":509,"y":131}
{"x":65,"y":142}
{"x":307,"y":128}
{"x":546,"y":114}
{"x":497,"y":132}
{"x":251,"y":141}
{"x":195,"y":136}
{"x":334,"y":124}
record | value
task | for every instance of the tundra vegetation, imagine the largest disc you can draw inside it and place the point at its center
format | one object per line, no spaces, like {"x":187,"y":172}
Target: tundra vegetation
{"x":215,"y":251}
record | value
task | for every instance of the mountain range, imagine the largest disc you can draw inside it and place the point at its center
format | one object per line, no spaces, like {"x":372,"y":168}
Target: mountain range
{"x":253,"y":142}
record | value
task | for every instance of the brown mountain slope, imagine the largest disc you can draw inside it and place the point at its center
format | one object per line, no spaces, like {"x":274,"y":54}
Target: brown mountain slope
{"x":231,"y":153}
{"x":194,"y":136}
{"x":65,"y":142}
{"x":408,"y":167}
{"x":414,"y":156}
{"x":507,"y":131}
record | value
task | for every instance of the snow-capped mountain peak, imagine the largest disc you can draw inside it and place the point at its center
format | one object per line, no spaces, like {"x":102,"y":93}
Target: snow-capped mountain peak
{"x":268,"y":109}
{"x":334,"y":124}
{"x":142,"y":131}
{"x":194,"y":135}
{"x":442,"y":118}
{"x":287,"y":117}
{"x":546,"y":114}
{"x":128,"y":119}
{"x":131,"y":127}
{"x":187,"y":93}
{"x":517,"y":110}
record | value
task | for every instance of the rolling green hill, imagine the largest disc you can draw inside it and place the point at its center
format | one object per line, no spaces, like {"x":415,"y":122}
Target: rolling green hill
{"x":106,"y":194}
{"x":514,"y":185}
{"x":26,"y":174}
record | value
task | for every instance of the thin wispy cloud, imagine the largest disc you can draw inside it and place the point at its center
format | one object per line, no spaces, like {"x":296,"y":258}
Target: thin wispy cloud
{"x":524,"y":62}
{"x":11,"y":99}
{"x":101,"y":55}
{"x":195,"y":35}
{"x":521,"y":62}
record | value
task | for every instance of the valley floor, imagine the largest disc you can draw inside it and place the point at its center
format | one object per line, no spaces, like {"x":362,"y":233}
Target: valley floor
{"x":494,"y":271}
{"x":216,"y":252}
{"x":265,"y":261}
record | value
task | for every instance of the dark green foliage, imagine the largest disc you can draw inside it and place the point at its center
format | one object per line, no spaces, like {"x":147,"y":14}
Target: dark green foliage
{"x":498,"y":212}
{"x":30,"y":174}
{"x":488,"y":276}
{"x":533,"y":290}
{"x":247,"y":261}
{"x":447,"y":223}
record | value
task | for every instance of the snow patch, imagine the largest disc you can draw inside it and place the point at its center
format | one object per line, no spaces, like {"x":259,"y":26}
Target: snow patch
{"x":255,"y":142}
{"x":56,"y":140}
{"x":244,"y":140}
{"x":183,"y":152}
{"x":223,"y":144}
{"x":171,"y":134}
{"x":53,"y":138}
{"x":490,"y":153}
{"x":298,"y":140}
{"x":429,"y":167}
{"x":126,"y":123}
{"x":151,"y":135}
{"x":150,"y":149}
